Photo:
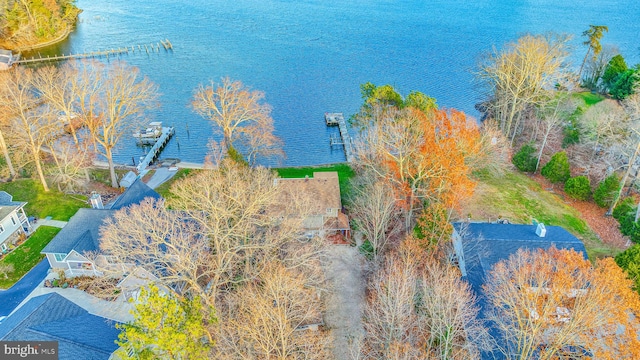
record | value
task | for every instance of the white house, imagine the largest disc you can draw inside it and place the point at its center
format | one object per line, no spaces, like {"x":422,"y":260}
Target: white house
{"x":68,"y":250}
{"x":13,"y":220}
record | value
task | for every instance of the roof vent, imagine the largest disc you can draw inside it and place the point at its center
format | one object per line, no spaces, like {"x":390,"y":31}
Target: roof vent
{"x":541,"y":231}
{"x":96,"y":201}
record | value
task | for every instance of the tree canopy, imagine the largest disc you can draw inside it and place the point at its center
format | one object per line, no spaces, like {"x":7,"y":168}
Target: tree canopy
{"x":26,"y":23}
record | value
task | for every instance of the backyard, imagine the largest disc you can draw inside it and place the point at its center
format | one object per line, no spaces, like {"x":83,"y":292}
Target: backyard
{"x":58,"y":205}
{"x":520,"y":199}
{"x":25,"y":256}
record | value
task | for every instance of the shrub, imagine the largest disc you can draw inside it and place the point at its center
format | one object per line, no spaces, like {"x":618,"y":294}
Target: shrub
{"x":578,"y":187}
{"x":606,"y":191}
{"x":629,"y":261}
{"x":623,"y":209}
{"x":524,"y":159}
{"x":557,"y":169}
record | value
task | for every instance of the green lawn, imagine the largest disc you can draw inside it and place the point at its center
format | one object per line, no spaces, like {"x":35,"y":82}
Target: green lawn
{"x":520,"y":199}
{"x":41,"y":204}
{"x":345,"y":173}
{"x":164,"y":189}
{"x":27,"y":255}
{"x":589,"y":98}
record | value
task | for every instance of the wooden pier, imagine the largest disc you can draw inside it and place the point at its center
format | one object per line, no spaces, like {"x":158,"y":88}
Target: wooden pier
{"x":146,"y":48}
{"x":332,"y":119}
{"x":155,"y":150}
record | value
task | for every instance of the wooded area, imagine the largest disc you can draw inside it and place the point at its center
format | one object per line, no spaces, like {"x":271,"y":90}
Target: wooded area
{"x":26,"y":24}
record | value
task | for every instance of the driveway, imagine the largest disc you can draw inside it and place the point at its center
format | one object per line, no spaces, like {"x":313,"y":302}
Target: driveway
{"x":11,"y":298}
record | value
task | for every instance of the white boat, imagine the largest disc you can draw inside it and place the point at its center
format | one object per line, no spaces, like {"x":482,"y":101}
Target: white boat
{"x":153,"y":131}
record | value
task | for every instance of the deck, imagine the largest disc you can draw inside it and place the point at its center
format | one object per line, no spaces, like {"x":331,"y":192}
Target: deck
{"x":345,"y":140}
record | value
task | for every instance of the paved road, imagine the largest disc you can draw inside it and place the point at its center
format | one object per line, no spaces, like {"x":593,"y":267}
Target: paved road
{"x":12,"y":297}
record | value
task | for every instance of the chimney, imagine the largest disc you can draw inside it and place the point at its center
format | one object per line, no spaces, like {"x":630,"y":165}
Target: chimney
{"x":541,"y":231}
{"x":96,"y":201}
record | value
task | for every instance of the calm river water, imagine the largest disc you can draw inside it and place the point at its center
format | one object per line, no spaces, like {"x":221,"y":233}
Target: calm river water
{"x":310,"y":56}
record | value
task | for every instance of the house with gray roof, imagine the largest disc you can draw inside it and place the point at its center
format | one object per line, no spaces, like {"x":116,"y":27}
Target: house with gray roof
{"x":13,"y":220}
{"x":68,"y":249}
{"x":479,"y":246}
{"x":51,"y":317}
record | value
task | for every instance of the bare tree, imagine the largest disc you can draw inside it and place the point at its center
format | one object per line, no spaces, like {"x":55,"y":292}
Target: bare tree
{"x":420,"y":308}
{"x":122,"y":101}
{"x":595,"y":66}
{"x":54,"y":87}
{"x":4,"y":118}
{"x":275,"y":317}
{"x":160,"y":240}
{"x":604,"y":126}
{"x":30,"y":122}
{"x":554,"y":303}
{"x":245,"y":221}
{"x":373,"y":208}
{"x":628,"y":148}
{"x":517,"y":74}
{"x":72,"y":163}
{"x":551,"y":114}
{"x":240,"y":115}
{"x":390,"y":320}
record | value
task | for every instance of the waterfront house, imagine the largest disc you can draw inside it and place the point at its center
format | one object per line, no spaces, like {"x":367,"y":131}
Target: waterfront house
{"x":480,"y":246}
{"x":51,"y":317}
{"x":68,"y":250}
{"x":13,"y":221}
{"x":325,"y":212}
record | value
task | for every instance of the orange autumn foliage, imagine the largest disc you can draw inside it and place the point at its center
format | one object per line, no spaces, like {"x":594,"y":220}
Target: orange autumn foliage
{"x":426,"y":156}
{"x":555,"y":304}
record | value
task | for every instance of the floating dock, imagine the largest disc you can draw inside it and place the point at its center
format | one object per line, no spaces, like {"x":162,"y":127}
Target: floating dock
{"x":154,"y":152}
{"x":333,"y":119}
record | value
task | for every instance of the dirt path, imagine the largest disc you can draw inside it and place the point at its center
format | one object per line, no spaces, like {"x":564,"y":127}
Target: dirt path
{"x":345,"y":305}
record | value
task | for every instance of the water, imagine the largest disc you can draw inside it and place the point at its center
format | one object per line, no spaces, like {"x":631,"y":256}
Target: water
{"x":310,"y":56}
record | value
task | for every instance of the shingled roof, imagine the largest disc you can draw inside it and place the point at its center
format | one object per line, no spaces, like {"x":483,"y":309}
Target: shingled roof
{"x":82,"y":232}
{"x":51,"y":317}
{"x":486,"y":244}
{"x":135,"y":193}
{"x":7,"y":205}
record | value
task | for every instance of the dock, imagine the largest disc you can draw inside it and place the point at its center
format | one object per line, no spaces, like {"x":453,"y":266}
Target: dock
{"x":146,"y":48}
{"x":333,"y":119}
{"x":154,"y":152}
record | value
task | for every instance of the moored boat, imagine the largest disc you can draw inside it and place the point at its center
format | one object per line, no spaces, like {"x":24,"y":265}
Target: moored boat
{"x":153,"y":131}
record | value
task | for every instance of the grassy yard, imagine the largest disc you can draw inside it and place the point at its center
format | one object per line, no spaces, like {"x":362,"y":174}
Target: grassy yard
{"x":520,"y":199}
{"x":41,"y":204}
{"x":165,"y":188}
{"x":345,"y":173}
{"x":103,"y":175}
{"x":27,"y":255}
{"x":589,"y":98}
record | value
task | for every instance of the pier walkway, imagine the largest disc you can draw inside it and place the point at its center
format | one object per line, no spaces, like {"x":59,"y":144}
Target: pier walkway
{"x":155,"y":150}
{"x":148,"y":48}
{"x":345,"y":140}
